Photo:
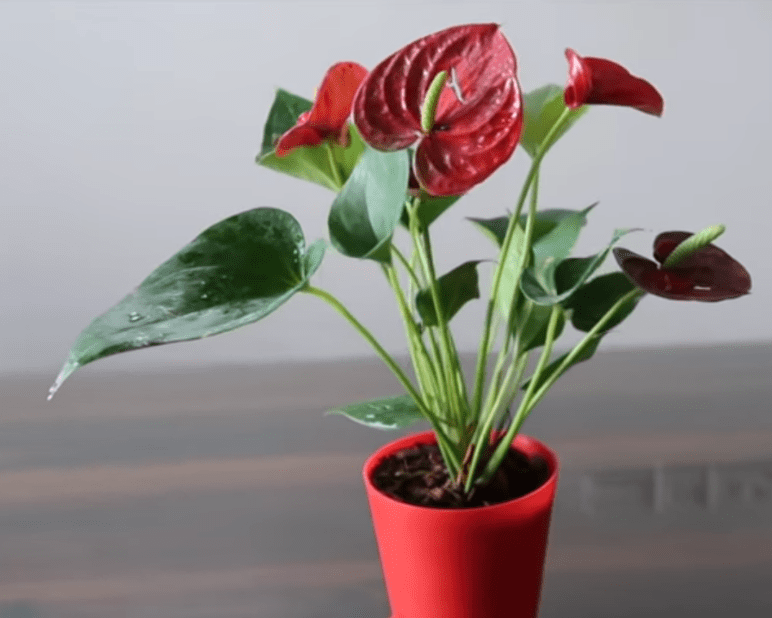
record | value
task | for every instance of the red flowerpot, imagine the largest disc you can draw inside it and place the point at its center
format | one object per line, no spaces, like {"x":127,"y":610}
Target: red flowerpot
{"x":484,"y":562}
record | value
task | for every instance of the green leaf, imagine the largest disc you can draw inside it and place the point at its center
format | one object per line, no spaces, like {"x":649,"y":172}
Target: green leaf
{"x":431,"y":207}
{"x":552,"y":369}
{"x":389,"y":413}
{"x":366,"y":212}
{"x":456,"y":288}
{"x":546,"y":221}
{"x":568,"y":275}
{"x":552,"y":247}
{"x":310,"y":163}
{"x":507,"y":285}
{"x":592,"y":300}
{"x":234,"y":273}
{"x":543,"y":107}
{"x":283,"y":115}
{"x":495,"y":229}
{"x":533,"y":331}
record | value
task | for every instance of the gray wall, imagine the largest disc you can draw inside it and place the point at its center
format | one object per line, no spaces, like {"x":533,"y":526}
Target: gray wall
{"x":126,"y":128}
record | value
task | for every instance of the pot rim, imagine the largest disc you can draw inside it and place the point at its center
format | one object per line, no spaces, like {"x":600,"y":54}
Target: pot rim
{"x":428,"y":437}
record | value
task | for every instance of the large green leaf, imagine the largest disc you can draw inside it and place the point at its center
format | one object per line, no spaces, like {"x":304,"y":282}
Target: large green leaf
{"x":366,"y":212}
{"x":389,"y":413}
{"x":568,"y":275}
{"x":234,"y":273}
{"x":455,"y":288}
{"x":592,"y":300}
{"x":543,"y":107}
{"x":310,"y":163}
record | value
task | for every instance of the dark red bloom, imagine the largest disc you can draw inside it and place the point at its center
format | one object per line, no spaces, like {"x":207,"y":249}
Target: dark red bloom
{"x":709,"y":274}
{"x":332,"y":107}
{"x":599,"y":81}
{"x":479,"y":116}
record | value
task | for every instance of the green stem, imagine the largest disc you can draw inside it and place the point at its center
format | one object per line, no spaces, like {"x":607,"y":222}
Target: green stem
{"x":448,"y":354}
{"x":579,"y":348}
{"x":485,"y":340}
{"x":503,"y":446}
{"x":422,"y":366}
{"x":333,"y":165}
{"x":413,"y":288}
{"x":533,"y":396}
{"x":408,"y":268}
{"x":489,"y":409}
{"x":446,"y":334}
{"x":382,"y":353}
{"x":506,"y":417}
{"x":442,"y":356}
{"x":452,"y":458}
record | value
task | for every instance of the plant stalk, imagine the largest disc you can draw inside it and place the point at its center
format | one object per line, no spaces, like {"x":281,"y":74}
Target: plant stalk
{"x":485,"y":340}
{"x":453,"y":459}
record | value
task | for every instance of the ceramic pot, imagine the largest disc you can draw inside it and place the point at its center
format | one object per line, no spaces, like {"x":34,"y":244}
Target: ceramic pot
{"x":484,"y":562}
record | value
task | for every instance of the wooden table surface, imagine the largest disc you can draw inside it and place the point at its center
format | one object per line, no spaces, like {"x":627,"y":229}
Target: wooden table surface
{"x":228,"y":494}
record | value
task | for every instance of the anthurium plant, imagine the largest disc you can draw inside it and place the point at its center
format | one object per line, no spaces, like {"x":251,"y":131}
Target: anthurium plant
{"x":399,"y":145}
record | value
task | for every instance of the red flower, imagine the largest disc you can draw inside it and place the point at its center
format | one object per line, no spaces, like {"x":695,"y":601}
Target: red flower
{"x":479,"y":116}
{"x":708,"y":274}
{"x":332,"y":107}
{"x":599,"y":81}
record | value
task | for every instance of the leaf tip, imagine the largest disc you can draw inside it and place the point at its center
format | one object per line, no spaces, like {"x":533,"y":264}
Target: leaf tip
{"x":67,"y":370}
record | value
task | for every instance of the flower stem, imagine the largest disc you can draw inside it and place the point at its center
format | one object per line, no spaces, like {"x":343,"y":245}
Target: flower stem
{"x":408,"y":268}
{"x":422,"y":366}
{"x":449,"y":357}
{"x":579,"y":348}
{"x":333,"y":165}
{"x":534,"y":395}
{"x":447,"y":335}
{"x":490,"y":408}
{"x":485,"y":340}
{"x":504,"y":444}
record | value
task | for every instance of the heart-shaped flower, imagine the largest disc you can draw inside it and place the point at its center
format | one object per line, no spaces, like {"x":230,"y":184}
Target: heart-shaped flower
{"x":602,"y":82}
{"x":479,"y":113}
{"x":708,"y":274}
{"x":329,"y":114}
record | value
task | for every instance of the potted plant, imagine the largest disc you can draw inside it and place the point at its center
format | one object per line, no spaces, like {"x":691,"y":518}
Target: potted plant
{"x":461,"y":512}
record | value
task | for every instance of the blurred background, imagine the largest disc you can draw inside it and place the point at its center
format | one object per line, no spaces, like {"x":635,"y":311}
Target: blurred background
{"x":202,"y":480}
{"x":126,"y":128}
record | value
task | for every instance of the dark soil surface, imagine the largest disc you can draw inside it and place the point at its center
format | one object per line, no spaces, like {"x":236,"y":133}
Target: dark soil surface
{"x":418,"y":476}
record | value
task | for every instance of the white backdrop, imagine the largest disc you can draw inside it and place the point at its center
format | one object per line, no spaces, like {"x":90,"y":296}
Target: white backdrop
{"x":127,"y":128}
